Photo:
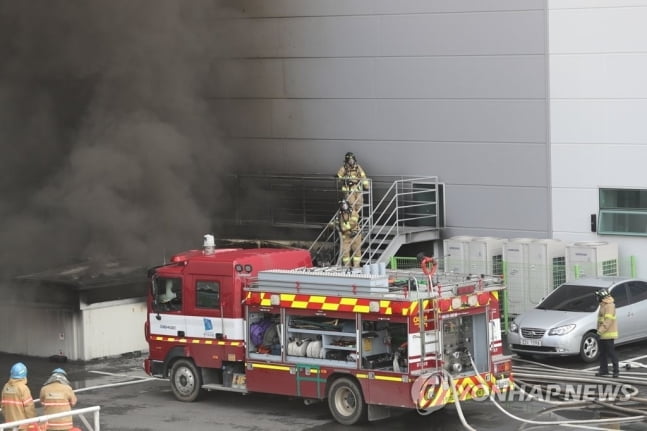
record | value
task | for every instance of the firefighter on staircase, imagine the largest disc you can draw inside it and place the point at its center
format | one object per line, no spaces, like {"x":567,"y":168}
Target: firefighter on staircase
{"x":353,"y":182}
{"x":351,"y":238}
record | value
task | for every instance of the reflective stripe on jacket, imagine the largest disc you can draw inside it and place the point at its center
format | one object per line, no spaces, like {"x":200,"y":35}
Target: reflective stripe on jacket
{"x":607,"y":325}
{"x":349,"y":223}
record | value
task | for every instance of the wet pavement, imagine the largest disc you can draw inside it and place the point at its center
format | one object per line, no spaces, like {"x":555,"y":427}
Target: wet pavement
{"x":131,"y":401}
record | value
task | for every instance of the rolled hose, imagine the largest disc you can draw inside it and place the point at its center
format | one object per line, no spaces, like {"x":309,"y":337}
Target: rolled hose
{"x":426,"y":268}
{"x":429,"y":392}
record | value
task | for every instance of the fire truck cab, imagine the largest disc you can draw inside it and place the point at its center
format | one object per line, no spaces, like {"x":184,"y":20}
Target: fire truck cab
{"x":367,"y":341}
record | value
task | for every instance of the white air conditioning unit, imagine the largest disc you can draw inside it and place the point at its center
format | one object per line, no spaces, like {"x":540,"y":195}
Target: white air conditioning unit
{"x":516,"y":266}
{"x":547,"y":258}
{"x":486,"y":256}
{"x":591,"y":259}
{"x":456,"y":254}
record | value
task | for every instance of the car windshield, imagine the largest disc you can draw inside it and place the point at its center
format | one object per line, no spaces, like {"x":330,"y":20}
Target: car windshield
{"x":571,"y":298}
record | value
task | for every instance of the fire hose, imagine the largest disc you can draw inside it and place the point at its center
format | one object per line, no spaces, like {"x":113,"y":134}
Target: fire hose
{"x":562,"y":376}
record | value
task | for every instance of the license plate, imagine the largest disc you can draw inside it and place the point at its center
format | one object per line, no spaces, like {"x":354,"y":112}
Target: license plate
{"x":531,"y":342}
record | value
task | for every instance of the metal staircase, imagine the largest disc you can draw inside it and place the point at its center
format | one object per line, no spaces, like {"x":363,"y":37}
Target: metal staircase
{"x":409,"y":211}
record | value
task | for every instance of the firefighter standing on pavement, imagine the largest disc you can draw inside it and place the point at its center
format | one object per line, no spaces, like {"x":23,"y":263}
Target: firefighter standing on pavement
{"x":353,"y":182}
{"x":17,"y":402}
{"x":57,"y":396}
{"x":607,"y":332}
{"x":349,"y":230}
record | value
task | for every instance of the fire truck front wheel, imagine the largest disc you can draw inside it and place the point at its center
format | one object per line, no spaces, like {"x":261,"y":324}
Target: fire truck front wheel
{"x":346,"y":402}
{"x":186,"y":380}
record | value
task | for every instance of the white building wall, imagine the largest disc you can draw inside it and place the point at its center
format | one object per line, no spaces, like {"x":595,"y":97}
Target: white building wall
{"x":598,"y":107}
{"x":54,"y":334}
{"x":113,"y":328}
{"x":100,"y":330}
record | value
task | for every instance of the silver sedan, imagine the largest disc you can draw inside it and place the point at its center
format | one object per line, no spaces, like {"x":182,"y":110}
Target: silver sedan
{"x":565,"y":322}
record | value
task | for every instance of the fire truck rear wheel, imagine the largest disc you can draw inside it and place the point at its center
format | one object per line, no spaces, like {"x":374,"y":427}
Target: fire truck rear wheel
{"x":346,"y":402}
{"x":186,"y":380}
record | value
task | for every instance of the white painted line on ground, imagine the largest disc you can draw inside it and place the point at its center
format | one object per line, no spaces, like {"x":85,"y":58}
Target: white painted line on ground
{"x":620,"y":362}
{"x":112,"y":385}
{"x":104,"y":373}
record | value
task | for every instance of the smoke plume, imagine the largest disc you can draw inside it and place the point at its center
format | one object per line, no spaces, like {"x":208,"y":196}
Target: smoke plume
{"x":109,"y":146}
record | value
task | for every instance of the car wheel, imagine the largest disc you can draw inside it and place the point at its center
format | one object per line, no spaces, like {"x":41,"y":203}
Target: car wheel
{"x":590,"y":347}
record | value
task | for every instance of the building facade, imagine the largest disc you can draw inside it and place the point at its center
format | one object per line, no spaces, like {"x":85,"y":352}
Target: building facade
{"x":526,"y":110}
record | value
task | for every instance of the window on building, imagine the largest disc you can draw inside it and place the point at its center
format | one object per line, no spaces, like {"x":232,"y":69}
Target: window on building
{"x":623,"y":212}
{"x":207,"y":294}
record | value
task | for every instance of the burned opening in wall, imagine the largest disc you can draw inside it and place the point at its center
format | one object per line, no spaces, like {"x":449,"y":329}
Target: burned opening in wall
{"x":83,"y":284}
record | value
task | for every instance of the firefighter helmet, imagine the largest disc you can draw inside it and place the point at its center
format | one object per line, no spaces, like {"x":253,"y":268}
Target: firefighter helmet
{"x":59,"y":371}
{"x":18,"y":371}
{"x":344,"y":206}
{"x":601,"y":294}
{"x":349,"y":158}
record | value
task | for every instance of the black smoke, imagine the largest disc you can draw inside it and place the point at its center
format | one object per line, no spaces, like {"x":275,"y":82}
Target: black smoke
{"x":109,"y":146}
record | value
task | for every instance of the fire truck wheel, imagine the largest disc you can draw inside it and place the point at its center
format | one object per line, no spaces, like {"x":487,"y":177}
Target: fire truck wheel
{"x":346,"y":402}
{"x":186,"y":380}
{"x":589,"y":348}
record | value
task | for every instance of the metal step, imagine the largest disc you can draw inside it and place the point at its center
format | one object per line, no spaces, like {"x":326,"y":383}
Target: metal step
{"x":220,"y":387}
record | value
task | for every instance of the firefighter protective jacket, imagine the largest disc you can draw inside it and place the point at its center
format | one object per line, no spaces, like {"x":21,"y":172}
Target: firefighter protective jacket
{"x":348,"y":223}
{"x":17,"y":402}
{"x":58,"y":397}
{"x":354,"y":178}
{"x":607,"y":325}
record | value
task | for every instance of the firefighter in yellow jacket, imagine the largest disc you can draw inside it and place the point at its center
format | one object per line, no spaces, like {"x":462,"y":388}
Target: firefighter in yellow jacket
{"x":17,"y":402}
{"x":351,"y":238}
{"x":57,"y":396}
{"x":607,"y":333}
{"x":353,"y":182}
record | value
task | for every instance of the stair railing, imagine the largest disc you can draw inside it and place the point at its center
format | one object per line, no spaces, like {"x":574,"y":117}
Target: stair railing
{"x":406,"y":203}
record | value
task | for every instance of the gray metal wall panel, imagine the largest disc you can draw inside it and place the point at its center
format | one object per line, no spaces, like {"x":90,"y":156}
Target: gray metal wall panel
{"x":281,"y":8}
{"x":480,"y":33}
{"x":467,"y":164}
{"x":457,"y":91}
{"x":454,"y":77}
{"x":248,"y":78}
{"x":458,"y":77}
{"x":462,"y":120}
{"x":502,"y":208}
{"x":462,"y":34}
{"x":382,"y":119}
{"x":253,"y":117}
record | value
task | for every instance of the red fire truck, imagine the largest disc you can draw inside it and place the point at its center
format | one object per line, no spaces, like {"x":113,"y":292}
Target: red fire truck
{"x":367,"y":341}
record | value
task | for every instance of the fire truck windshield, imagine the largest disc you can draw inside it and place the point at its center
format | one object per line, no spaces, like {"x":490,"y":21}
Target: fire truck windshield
{"x":167,"y":294}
